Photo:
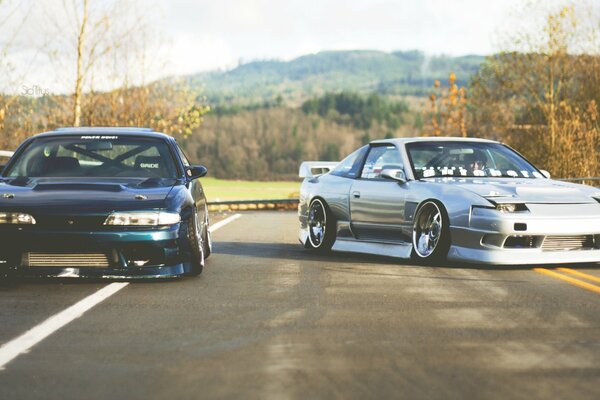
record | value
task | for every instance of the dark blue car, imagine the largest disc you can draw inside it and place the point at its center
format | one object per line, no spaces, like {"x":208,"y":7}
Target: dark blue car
{"x":102,"y":202}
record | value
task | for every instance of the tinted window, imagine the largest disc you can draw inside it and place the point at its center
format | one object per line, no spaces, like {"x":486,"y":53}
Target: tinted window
{"x":95,"y":156}
{"x":470,"y":159}
{"x":183,"y":157}
{"x":350,"y":165}
{"x":380,"y":158}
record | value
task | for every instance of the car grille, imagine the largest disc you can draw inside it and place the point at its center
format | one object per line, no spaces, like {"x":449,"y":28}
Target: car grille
{"x":579,"y":242}
{"x":74,"y":260}
{"x":66,"y":222}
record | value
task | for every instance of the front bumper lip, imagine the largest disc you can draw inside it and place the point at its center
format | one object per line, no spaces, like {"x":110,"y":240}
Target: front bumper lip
{"x":165,"y":272}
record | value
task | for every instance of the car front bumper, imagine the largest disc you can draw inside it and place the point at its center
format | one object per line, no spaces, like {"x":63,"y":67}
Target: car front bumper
{"x":129,"y":253}
{"x":547,"y":234}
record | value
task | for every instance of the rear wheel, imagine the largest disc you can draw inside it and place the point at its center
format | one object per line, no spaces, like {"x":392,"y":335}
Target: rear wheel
{"x":321,"y":226}
{"x":431,"y":233}
{"x":196,"y":245}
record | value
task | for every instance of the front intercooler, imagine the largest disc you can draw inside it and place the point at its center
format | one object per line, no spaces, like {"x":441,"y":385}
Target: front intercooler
{"x":67,"y":260}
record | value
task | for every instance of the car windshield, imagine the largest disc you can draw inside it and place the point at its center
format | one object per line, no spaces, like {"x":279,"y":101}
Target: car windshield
{"x":468,"y":159}
{"x":95,"y":156}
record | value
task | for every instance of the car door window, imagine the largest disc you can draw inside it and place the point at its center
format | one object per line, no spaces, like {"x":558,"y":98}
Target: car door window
{"x":349,"y":166}
{"x":380,"y":158}
{"x":183,"y":157}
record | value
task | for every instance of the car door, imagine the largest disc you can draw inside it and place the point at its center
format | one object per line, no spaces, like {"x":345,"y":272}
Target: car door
{"x":377,"y":204}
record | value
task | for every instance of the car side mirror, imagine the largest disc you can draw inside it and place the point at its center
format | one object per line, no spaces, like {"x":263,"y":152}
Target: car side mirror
{"x":397,"y":175}
{"x":196,"y":171}
{"x":545,"y":173}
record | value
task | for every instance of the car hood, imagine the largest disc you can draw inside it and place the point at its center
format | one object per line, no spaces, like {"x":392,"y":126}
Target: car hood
{"x":503,"y":190}
{"x":56,"y":195}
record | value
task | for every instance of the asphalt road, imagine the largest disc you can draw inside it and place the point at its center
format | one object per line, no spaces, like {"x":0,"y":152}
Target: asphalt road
{"x":269,"y":320}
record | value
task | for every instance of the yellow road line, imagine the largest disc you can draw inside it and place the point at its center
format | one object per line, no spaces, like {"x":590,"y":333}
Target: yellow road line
{"x":580,"y":274}
{"x":572,"y":281}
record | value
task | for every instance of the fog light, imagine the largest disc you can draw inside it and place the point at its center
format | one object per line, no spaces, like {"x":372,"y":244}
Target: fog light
{"x":140,"y":263}
{"x":520,"y":242}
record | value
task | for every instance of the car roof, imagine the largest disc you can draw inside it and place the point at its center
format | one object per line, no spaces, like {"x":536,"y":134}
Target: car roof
{"x":121,"y":131}
{"x":401,"y":141}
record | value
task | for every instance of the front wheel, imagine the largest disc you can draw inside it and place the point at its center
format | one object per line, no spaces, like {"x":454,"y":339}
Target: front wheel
{"x":321,"y":226}
{"x":206,"y":238}
{"x":431,"y":233}
{"x":196,"y":245}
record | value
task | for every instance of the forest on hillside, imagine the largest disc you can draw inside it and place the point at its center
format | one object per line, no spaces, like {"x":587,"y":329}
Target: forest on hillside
{"x":270,"y":142}
{"x":399,"y":73}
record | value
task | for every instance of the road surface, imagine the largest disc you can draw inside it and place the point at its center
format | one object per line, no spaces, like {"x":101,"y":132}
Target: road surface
{"x":270,"y":320}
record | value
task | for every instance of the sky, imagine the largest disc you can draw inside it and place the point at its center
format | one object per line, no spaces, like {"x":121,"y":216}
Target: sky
{"x":227,"y":32}
{"x":195,"y":36}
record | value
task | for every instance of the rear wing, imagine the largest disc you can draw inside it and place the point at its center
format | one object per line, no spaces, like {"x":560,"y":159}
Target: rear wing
{"x":310,"y":169}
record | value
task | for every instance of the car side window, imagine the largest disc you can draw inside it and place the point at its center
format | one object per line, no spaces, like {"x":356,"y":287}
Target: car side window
{"x":349,"y":166}
{"x":183,"y":157}
{"x":380,"y":158}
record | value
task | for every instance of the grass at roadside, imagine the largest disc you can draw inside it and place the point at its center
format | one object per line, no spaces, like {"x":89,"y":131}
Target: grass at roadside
{"x":222,"y":190}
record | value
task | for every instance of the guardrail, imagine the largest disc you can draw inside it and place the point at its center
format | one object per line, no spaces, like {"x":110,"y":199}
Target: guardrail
{"x":243,"y":205}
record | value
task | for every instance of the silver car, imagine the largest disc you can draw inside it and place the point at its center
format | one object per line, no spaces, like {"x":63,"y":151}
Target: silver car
{"x":461,"y":199}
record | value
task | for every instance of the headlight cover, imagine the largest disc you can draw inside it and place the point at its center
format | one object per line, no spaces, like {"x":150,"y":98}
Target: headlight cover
{"x":511,"y":207}
{"x":16,"y":218}
{"x":142,"y":218}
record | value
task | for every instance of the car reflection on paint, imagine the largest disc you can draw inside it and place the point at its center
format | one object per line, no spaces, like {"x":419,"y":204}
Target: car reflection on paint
{"x":461,"y":199}
{"x":102,"y":202}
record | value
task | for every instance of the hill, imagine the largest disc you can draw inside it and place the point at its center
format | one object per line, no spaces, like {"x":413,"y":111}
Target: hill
{"x":401,"y":73}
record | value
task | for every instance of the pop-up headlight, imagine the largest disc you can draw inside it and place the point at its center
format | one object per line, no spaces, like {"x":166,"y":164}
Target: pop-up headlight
{"x":511,"y":207}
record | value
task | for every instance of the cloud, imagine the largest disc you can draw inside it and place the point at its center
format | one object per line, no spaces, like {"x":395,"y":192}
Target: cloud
{"x":201,"y":35}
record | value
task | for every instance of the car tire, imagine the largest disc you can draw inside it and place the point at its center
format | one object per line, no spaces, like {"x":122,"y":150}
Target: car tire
{"x":206,"y":238}
{"x":431,"y":233}
{"x":321,"y":226}
{"x":196,"y":245}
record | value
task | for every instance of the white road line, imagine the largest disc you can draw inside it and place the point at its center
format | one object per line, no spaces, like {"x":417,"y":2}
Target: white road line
{"x":22,"y":344}
{"x":224,"y":222}
{"x":26,"y":341}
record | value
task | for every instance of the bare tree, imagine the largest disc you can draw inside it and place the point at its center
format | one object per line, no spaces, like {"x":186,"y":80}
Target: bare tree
{"x":79,"y":73}
{"x":85,"y":34}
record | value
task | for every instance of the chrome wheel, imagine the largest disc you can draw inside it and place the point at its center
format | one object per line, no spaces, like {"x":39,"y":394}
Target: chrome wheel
{"x":317,"y":223}
{"x":198,"y":233}
{"x":427,"y":230}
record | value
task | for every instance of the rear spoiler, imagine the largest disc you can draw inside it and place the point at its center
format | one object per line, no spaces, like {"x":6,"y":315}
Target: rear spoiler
{"x":4,"y":153}
{"x":307,"y":167}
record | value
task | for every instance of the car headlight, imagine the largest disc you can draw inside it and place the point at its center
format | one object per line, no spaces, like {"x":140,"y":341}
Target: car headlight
{"x":142,"y":218}
{"x":511,"y":207}
{"x":16,"y":218}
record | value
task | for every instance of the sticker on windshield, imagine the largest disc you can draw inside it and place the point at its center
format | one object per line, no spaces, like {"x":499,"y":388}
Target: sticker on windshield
{"x":428,"y":173}
{"x":149,"y":165}
{"x":87,"y":137}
